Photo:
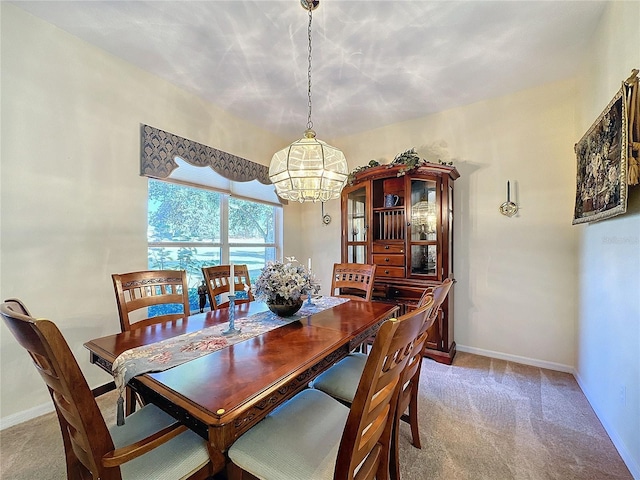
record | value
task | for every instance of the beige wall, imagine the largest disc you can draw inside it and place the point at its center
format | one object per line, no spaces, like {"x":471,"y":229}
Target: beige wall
{"x":73,"y":206}
{"x":608,"y":333}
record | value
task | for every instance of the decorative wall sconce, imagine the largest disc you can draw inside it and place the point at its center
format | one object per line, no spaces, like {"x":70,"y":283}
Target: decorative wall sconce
{"x":326,"y":218}
{"x":509,"y":208}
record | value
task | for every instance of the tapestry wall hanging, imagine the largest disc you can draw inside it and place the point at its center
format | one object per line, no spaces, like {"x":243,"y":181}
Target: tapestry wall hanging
{"x":606,"y":154}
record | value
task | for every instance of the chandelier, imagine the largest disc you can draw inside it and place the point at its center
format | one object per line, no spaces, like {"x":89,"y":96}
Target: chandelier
{"x":309,"y":169}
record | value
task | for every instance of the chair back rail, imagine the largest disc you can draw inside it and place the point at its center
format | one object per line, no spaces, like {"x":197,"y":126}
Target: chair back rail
{"x":409,"y":384}
{"x":439,"y":294}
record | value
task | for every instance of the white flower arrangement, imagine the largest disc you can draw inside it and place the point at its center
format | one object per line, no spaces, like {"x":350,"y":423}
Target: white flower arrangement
{"x":284,"y":283}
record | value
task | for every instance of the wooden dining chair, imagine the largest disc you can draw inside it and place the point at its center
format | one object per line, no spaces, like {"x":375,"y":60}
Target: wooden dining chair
{"x":137,"y":293}
{"x":218,"y":283}
{"x":340,"y":380}
{"x":150,"y":445}
{"x":314,"y":436}
{"x":356,"y":279}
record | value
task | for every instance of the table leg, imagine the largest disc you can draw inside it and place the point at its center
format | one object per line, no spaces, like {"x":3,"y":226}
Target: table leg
{"x":218,"y":459}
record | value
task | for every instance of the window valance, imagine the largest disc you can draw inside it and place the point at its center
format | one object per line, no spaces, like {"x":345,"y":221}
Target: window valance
{"x":170,"y":157}
{"x":159,"y":150}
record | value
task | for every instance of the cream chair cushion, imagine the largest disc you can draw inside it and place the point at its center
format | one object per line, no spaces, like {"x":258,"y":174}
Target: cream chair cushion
{"x":341,"y":380}
{"x":299,"y":440}
{"x":176,"y":459}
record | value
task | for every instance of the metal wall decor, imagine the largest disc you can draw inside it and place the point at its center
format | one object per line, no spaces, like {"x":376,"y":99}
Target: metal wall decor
{"x":509,"y":208}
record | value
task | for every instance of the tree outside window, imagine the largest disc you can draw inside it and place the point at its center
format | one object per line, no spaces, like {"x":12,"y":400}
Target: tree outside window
{"x":189,"y":228}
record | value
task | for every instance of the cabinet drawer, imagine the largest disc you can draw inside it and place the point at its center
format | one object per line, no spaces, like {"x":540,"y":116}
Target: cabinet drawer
{"x":393,"y":260}
{"x":388,"y":247}
{"x":384,"y":271}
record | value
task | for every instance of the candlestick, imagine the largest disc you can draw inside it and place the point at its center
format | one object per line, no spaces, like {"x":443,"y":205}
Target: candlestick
{"x":508,"y":191}
{"x":232,"y":330}
{"x":309,"y":302}
{"x":232,"y":280}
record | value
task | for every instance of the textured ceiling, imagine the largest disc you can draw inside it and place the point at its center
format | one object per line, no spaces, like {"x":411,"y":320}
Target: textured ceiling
{"x":374,"y":62}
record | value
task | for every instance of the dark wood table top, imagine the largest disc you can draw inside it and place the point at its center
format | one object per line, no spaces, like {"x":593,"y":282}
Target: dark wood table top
{"x":222,"y":394}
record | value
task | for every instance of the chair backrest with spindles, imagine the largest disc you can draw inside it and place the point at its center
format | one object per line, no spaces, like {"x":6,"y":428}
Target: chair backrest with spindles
{"x":218,"y":283}
{"x":351,"y":277}
{"x":137,"y":291}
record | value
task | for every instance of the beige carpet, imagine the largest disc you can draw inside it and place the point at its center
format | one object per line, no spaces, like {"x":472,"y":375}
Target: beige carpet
{"x":480,"y":419}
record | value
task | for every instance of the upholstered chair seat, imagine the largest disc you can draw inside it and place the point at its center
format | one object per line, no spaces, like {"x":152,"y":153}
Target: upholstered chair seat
{"x":298,"y":440}
{"x":341,"y":380}
{"x":177,"y":458}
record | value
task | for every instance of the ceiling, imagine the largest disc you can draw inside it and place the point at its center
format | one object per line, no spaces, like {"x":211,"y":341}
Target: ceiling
{"x":374,"y":63}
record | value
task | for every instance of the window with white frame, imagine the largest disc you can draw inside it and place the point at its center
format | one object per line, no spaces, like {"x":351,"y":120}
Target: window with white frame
{"x":190,"y":228}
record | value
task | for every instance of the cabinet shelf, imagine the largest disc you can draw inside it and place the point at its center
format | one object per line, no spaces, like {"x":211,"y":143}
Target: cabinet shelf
{"x":388,"y":209}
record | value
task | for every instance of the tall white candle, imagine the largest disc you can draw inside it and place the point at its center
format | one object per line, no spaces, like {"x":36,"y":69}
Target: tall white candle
{"x":232,"y":280}
{"x":309,"y":264}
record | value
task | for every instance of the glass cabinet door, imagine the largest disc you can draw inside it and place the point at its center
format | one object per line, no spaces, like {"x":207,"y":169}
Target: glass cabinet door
{"x":423,"y":231}
{"x":356,"y":224}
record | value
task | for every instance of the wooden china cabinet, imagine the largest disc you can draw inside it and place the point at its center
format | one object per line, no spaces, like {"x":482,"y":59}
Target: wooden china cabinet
{"x":403,"y":222}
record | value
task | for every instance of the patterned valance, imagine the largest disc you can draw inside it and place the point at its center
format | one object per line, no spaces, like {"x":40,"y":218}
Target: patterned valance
{"x":159,"y":149}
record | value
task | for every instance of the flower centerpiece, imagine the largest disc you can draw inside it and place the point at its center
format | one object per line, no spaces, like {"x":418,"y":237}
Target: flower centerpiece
{"x":281,"y":286}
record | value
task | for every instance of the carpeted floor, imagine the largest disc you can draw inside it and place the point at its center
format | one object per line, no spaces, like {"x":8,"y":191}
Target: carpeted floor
{"x":480,"y":419}
{"x":495,"y":420}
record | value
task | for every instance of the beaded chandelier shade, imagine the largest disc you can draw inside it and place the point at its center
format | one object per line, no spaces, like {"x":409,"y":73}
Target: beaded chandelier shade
{"x":423,"y":214}
{"x":309,"y":169}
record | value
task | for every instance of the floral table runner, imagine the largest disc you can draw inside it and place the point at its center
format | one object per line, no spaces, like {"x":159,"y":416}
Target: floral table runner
{"x":175,"y":351}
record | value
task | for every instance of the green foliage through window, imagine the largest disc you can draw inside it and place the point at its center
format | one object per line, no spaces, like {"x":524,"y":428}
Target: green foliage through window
{"x":186,"y":231}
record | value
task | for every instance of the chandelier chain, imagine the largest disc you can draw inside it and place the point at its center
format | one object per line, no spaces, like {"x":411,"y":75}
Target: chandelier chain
{"x":309,"y":170}
{"x":309,"y":122}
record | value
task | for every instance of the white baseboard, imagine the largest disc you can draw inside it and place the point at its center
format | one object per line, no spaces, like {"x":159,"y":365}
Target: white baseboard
{"x":517,"y":359}
{"x":627,"y":458}
{"x":16,"y":418}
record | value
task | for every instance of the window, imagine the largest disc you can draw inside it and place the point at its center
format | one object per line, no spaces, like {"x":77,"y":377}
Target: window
{"x":189,"y":228}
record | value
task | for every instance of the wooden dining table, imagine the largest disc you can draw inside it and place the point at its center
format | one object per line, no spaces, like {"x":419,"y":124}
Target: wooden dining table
{"x":224,"y":393}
